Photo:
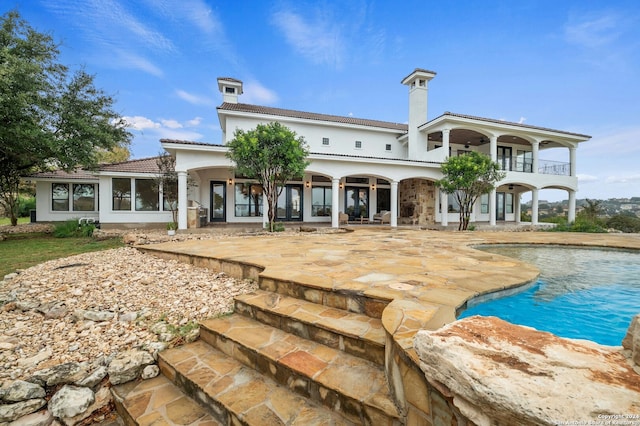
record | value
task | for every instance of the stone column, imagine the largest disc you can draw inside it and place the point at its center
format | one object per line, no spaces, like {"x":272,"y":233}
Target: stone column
{"x":394,"y":204}
{"x":534,"y":206}
{"x":444,"y":208}
{"x":335,"y":201}
{"x":182,"y":200}
{"x":571,"y":214}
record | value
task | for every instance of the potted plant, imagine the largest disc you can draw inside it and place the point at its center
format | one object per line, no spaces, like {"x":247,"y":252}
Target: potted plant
{"x":171,"y":228}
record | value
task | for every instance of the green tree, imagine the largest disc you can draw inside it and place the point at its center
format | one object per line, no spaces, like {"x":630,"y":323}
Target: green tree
{"x":467,"y":177}
{"x":167,"y":181}
{"x":49,"y":117}
{"x":272,"y":154}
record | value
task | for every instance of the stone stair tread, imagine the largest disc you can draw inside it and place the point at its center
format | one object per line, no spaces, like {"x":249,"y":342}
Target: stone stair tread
{"x":337,"y":320}
{"x":333,"y":369}
{"x":158,"y":401}
{"x":252,"y":398}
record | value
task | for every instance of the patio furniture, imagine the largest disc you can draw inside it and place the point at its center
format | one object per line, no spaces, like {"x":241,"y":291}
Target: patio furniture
{"x":382,"y":217}
{"x":343,"y":218}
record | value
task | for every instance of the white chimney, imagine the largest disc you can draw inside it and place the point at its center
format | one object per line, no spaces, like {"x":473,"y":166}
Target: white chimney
{"x":230,"y":89}
{"x":417,"y":82}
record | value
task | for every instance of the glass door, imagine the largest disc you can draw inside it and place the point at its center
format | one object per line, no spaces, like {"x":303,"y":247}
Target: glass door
{"x":289,"y":206}
{"x":218,"y":202}
{"x":504,"y":157}
{"x":356,"y":202}
{"x":500,"y":205}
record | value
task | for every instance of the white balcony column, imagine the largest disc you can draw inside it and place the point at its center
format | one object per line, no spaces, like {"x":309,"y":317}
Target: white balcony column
{"x":518,"y":207}
{"x":535,"y":153}
{"x":534,"y":206}
{"x":182,"y":200}
{"x":394,"y":203}
{"x":492,"y":207}
{"x":571,"y":214}
{"x":493,"y":148}
{"x":572,"y":161}
{"x":444,"y":208}
{"x":445,"y":141}
{"x":335,"y":201}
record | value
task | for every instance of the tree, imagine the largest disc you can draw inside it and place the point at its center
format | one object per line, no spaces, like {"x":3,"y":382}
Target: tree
{"x":167,"y":181}
{"x":49,"y":117}
{"x":467,"y":177}
{"x":272,"y":154}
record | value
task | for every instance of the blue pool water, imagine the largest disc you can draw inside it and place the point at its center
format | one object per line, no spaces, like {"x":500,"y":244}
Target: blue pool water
{"x":582,"y":293}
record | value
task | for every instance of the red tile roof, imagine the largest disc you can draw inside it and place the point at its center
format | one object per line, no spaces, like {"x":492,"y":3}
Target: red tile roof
{"x":142,"y":165}
{"x":510,"y":123}
{"x":257,"y":109}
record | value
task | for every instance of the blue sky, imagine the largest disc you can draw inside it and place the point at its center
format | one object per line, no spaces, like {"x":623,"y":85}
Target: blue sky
{"x":568,"y":65}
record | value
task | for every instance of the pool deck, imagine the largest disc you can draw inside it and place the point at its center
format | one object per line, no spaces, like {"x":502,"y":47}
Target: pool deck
{"x":429,"y":267}
{"x":407,"y":279}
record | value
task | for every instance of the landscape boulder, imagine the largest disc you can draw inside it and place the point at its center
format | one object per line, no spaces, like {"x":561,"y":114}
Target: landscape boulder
{"x":128,"y":365}
{"x":70,"y":401}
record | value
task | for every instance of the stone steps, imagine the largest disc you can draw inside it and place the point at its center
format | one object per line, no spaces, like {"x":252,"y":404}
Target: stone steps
{"x":235,"y":394}
{"x":356,"y":334}
{"x":355,"y":387}
{"x":158,"y":401}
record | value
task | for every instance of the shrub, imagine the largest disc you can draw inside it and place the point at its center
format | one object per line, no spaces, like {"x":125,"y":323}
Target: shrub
{"x":27,"y":203}
{"x":582,"y":224}
{"x":624,"y":223}
{"x":71,"y":228}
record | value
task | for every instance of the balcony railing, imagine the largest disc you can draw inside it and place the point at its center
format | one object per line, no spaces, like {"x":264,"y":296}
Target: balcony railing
{"x":545,"y":167}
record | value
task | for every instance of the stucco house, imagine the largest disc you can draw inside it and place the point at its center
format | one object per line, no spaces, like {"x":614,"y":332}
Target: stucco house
{"x":358,"y":168}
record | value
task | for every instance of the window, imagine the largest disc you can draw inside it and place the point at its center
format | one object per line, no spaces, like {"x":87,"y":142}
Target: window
{"x":508,"y":202}
{"x":84,"y":197}
{"x":60,"y":197}
{"x":358,"y":144}
{"x":169,"y":192}
{"x":388,"y":147}
{"x":524,"y":161}
{"x":231,"y":90}
{"x":320,"y":201}
{"x":147,"y":196}
{"x":452,"y":203}
{"x":484,"y":203}
{"x":248,"y":200}
{"x":121,"y":193}
{"x":360,"y":180}
{"x":325,"y":141}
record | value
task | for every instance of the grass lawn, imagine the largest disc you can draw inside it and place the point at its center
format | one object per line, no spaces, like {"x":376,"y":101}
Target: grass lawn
{"x":20,"y":251}
{"x":7,"y":221}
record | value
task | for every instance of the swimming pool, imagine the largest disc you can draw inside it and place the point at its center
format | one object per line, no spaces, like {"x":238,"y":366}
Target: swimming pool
{"x":581,"y":293}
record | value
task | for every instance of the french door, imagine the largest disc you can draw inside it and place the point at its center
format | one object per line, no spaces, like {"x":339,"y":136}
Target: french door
{"x":289,"y":206}
{"x":356,"y":202}
{"x":217,"y":210}
{"x":500,"y":205}
{"x":504,"y":157}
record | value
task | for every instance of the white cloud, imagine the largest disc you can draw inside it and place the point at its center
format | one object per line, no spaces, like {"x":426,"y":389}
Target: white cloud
{"x":127,"y":59}
{"x":320,"y":40}
{"x":171,"y":124}
{"x":593,"y":31}
{"x":584,"y":178}
{"x":522,"y":120}
{"x":194,"y":99}
{"x":194,"y":122}
{"x":256,"y":93}
{"x":623,"y":179}
{"x":141,"y":123}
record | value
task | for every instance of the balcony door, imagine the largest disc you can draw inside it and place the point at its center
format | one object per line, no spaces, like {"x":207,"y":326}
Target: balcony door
{"x":504,"y":157}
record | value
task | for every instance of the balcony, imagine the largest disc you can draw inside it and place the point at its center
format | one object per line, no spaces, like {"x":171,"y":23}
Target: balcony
{"x":525,"y":165}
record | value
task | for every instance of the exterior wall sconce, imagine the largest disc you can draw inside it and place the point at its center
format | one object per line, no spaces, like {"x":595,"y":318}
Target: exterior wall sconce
{"x":230,"y":181}
{"x":373,"y":187}
{"x":308,"y":184}
{"x":341,"y":185}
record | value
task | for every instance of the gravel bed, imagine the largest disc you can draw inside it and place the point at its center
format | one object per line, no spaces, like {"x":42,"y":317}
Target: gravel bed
{"x":150,"y":300}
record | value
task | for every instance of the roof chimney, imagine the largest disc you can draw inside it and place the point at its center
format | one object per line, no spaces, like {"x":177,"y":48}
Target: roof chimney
{"x":418,"y":100}
{"x":230,"y":89}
